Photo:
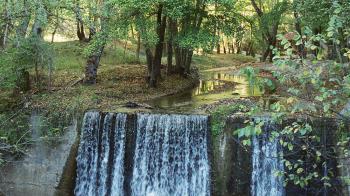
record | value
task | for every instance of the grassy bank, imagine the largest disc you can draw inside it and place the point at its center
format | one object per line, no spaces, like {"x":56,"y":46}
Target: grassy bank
{"x":121,"y":79}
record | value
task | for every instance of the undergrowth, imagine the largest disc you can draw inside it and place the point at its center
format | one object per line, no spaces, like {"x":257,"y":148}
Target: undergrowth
{"x":220,"y":114}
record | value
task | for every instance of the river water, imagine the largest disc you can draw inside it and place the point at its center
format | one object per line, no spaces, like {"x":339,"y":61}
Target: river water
{"x":212,"y":87}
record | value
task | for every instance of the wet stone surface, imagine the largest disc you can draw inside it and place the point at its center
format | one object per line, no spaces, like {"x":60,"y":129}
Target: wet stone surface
{"x":39,"y":172}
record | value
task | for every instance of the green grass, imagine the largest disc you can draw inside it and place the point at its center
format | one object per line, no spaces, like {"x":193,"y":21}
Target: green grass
{"x":220,"y":60}
{"x":69,"y":56}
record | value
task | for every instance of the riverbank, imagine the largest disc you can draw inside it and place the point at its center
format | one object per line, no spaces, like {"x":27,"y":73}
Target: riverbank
{"x":121,"y":80}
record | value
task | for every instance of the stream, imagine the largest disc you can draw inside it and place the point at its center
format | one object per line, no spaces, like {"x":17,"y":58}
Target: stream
{"x":212,"y":87}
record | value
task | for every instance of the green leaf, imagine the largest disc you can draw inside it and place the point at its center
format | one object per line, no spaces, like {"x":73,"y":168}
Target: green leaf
{"x":300,"y":170}
{"x":326,"y":107}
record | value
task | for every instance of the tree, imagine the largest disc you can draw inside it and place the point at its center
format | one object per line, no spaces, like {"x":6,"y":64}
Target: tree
{"x":79,"y":22}
{"x":97,"y":46}
{"x":269,"y":23}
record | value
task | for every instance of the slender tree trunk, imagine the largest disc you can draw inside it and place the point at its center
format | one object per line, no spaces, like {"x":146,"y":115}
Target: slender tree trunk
{"x":5,"y":26}
{"x":5,"y":35}
{"x":338,"y":52}
{"x":268,"y":52}
{"x":53,"y":35}
{"x":218,"y":45}
{"x":224,"y":46}
{"x":178,"y":60}
{"x":188,"y":61}
{"x":79,"y":22}
{"x":171,"y":25}
{"x":56,"y":27}
{"x":92,"y":32}
{"x":238,"y":45}
{"x":138,"y":47}
{"x":125,"y":46}
{"x":233,"y":46}
{"x":178,"y":69}
{"x":155,"y":74}
{"x":149,"y":59}
{"x":301,"y":47}
{"x":132,"y":32}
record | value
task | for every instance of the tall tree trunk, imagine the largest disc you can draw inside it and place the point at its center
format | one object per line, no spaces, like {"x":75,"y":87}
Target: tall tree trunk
{"x":238,"y":46}
{"x":138,"y":47}
{"x":269,"y":35}
{"x":132,"y":32}
{"x":5,"y":35}
{"x":92,"y":32}
{"x":170,"y":59}
{"x":188,"y":61}
{"x":155,"y":74}
{"x":178,"y":60}
{"x":301,"y":47}
{"x":149,"y":59}
{"x":233,"y":46}
{"x":224,"y":46}
{"x":55,"y":28}
{"x":93,"y":61}
{"x":178,"y":69}
{"x":5,"y":27}
{"x":218,"y":47}
{"x":171,"y":30}
{"x":79,"y":22}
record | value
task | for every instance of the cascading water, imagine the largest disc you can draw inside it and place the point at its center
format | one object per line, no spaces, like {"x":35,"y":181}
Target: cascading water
{"x":266,"y":162}
{"x":171,"y":156}
{"x":98,"y":149}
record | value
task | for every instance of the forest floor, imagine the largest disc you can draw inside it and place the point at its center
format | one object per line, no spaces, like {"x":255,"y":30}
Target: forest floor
{"x":121,"y":79}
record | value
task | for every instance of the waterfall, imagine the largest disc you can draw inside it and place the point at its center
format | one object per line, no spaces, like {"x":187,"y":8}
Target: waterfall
{"x":168,"y":154}
{"x":171,"y":156}
{"x":266,"y":161}
{"x":118,"y":162}
{"x":98,"y":149}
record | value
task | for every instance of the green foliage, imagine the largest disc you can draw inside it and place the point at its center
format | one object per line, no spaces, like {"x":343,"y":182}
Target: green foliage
{"x":252,"y":75}
{"x":14,"y":130}
{"x":313,"y":87}
{"x":219,"y":116}
{"x":32,"y":53}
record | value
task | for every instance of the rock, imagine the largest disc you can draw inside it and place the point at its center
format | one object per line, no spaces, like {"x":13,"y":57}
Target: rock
{"x":132,"y":105}
{"x":345,"y":170}
{"x":137,"y":105}
{"x":346,"y":110}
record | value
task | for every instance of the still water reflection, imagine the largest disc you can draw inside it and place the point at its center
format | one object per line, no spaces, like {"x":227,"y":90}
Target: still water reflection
{"x":212,"y":87}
